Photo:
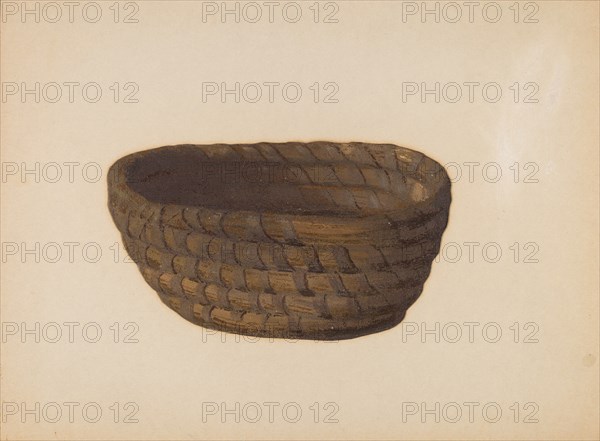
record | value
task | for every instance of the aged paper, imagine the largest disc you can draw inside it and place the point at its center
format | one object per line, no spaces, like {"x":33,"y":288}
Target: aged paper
{"x":503,"y":342}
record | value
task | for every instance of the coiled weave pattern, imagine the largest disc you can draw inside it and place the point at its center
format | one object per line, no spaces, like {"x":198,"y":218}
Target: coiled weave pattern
{"x":314,"y":240}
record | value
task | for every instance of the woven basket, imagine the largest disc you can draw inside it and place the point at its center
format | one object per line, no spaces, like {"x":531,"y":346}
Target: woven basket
{"x":319,"y":240}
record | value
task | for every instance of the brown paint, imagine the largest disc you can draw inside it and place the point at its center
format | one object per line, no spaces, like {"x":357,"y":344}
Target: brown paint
{"x":313,"y":240}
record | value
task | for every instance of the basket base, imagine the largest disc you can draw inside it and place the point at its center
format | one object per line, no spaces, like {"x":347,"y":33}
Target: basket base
{"x":339,"y":330}
{"x":333,"y":335}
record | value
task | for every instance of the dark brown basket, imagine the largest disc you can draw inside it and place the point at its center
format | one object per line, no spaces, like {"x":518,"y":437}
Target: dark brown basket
{"x":320,"y":240}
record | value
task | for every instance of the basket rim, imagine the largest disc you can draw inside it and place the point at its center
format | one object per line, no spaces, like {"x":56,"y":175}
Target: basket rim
{"x":118,"y":182}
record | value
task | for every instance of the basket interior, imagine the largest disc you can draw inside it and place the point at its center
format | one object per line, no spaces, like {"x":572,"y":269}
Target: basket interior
{"x":186,"y":176}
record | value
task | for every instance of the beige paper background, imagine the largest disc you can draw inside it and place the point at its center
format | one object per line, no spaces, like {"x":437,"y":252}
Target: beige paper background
{"x":176,"y":366}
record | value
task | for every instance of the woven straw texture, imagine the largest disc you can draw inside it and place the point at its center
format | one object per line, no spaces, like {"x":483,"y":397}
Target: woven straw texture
{"x":297,"y":240}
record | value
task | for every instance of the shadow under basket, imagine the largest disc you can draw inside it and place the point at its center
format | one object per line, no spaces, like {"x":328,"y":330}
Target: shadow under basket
{"x":315,"y":240}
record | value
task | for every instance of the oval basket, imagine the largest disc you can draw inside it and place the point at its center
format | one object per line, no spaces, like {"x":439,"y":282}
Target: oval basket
{"x":313,"y":240}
